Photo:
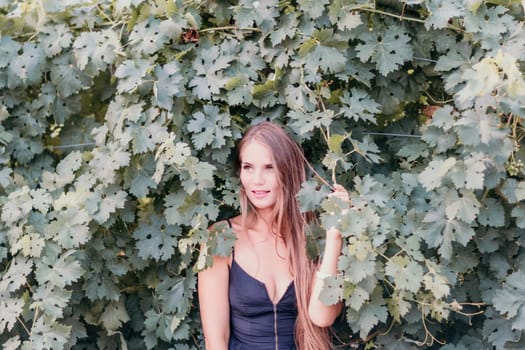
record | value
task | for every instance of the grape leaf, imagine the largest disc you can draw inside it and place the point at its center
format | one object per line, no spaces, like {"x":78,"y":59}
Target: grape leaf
{"x":8,"y":50}
{"x":10,"y":308}
{"x":99,"y":49}
{"x":176,"y":293}
{"x":312,"y":8}
{"x":28,"y":67}
{"x":288,"y":26}
{"x":491,"y":213}
{"x":304,"y":122}
{"x":150,"y":36}
{"x":262,"y":13}
{"x":169,"y":83}
{"x":69,"y":227}
{"x":311,"y":195}
{"x":358,"y":105}
{"x":432,"y":176}
{"x":398,"y":304}
{"x":463,"y":206}
{"x":15,"y":276}
{"x":388,"y":48}
{"x":59,"y":270}
{"x":332,"y":290}
{"x":51,"y":300}
{"x":441,"y":11}
{"x":12,"y":343}
{"x":49,"y":334}
{"x":209,"y":127}
{"x":369,"y":316}
{"x":55,"y":38}
{"x":407,"y":274}
{"x":156,"y":239}
{"x":340,"y":15}
{"x":67,"y":78}
{"x":510,"y":300}
{"x":131,"y":74}
{"x":114,"y":315}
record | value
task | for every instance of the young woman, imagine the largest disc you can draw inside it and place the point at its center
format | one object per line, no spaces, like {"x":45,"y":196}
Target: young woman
{"x":266,"y":294}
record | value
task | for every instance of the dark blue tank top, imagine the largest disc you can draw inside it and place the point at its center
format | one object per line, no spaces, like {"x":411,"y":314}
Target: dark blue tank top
{"x":256,"y":323}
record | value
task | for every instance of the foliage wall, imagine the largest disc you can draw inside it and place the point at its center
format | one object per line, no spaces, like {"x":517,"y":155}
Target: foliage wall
{"x":118,"y":119}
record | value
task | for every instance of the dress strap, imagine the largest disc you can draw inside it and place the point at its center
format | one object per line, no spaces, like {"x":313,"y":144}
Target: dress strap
{"x":229,"y":222}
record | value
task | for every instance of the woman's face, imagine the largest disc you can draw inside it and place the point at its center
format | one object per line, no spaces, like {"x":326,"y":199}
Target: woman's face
{"x":258,"y":175}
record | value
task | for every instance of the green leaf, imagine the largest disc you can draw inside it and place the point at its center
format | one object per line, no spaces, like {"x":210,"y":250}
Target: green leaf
{"x":67,"y":78}
{"x":355,"y":267}
{"x":491,"y":213}
{"x":148,"y":37}
{"x":156,"y":239}
{"x":463,"y":206}
{"x":96,"y":49}
{"x":176,"y":293}
{"x":340,"y":14}
{"x":332,"y":290}
{"x":209,"y":127}
{"x":51,"y":300}
{"x":169,"y":83}
{"x":59,"y":270}
{"x":222,"y":240}
{"x":518,"y":212}
{"x":498,"y":330}
{"x":367,"y":148}
{"x":28,"y":67}
{"x":398,"y":304}
{"x":369,"y":316}
{"x":435,"y":282}
{"x":441,"y":11}
{"x":287,"y":28}
{"x":10,"y":309}
{"x":407,"y":274}
{"x":49,"y":334}
{"x":131,"y":74}
{"x":8,"y":50}
{"x":439,"y":139}
{"x":55,"y":38}
{"x":388,"y":48}
{"x":432,"y":176}
{"x":15,"y":276}
{"x":114,"y":315}
{"x":510,"y":300}
{"x":304,"y":122}
{"x":513,"y":190}
{"x":311,"y":195}
{"x":358,"y":105}
{"x":311,"y":8}
{"x":262,"y":13}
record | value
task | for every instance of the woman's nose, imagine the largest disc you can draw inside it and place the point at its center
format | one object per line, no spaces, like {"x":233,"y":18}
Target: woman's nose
{"x":259,"y":177}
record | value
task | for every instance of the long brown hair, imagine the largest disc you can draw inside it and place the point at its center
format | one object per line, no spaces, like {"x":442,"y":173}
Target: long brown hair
{"x":289,"y":223}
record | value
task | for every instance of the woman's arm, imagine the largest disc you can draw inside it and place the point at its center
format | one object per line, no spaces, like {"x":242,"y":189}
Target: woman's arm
{"x":214,"y":304}
{"x":321,"y":314}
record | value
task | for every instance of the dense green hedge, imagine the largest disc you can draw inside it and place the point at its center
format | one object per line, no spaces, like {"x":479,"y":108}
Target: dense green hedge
{"x":118,"y":120}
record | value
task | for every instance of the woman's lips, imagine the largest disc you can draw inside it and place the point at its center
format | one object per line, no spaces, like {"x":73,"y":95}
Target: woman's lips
{"x":260,"y":193}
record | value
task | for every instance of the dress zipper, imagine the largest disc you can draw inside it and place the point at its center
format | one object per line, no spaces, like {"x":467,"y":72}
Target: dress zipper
{"x":275,"y":326}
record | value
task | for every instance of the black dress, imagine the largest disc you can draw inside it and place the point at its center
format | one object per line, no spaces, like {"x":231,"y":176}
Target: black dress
{"x":256,"y":323}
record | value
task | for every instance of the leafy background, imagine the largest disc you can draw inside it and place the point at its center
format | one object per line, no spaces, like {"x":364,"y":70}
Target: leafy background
{"x":118,"y":120}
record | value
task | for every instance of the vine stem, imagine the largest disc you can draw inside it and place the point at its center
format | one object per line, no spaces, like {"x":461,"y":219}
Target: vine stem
{"x":23,"y":325}
{"x":206,"y":30}
{"x":400,"y":17}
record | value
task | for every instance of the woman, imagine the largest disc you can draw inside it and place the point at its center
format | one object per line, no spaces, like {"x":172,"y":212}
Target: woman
{"x":266,"y":294}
